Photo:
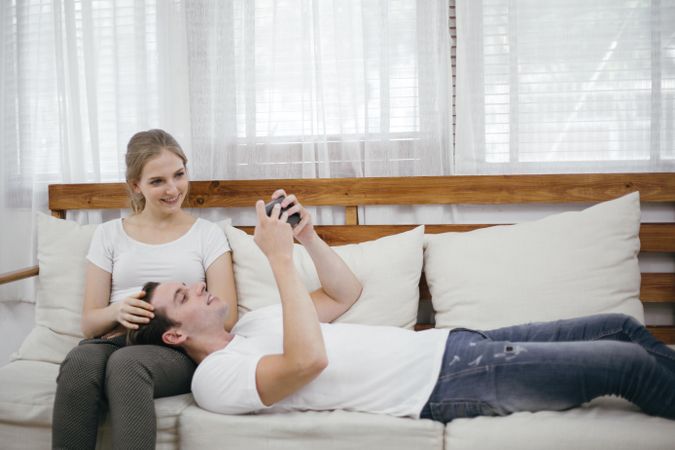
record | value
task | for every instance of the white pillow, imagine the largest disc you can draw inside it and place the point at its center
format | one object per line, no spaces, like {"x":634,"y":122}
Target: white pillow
{"x":563,"y":266}
{"x":389,"y":269}
{"x":62,"y":248}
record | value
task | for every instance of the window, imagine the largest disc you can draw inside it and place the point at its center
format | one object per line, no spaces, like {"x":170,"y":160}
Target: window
{"x":568,"y":83}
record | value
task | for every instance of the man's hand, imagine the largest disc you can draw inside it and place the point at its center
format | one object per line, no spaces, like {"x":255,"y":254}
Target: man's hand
{"x":304,"y":230}
{"x":272,"y":234}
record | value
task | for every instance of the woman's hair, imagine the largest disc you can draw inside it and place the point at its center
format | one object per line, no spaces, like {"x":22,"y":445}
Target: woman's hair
{"x":151,"y":332}
{"x":142,"y":147}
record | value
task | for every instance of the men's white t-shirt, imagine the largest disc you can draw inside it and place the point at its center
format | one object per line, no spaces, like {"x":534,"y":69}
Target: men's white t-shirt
{"x":376,"y":369}
{"x":133,"y":263}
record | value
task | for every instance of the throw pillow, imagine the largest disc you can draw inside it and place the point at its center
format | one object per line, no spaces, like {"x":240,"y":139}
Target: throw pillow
{"x":389,"y":269}
{"x":566,"y":265}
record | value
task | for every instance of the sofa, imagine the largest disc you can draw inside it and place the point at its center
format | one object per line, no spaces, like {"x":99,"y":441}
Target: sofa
{"x":565,"y":265}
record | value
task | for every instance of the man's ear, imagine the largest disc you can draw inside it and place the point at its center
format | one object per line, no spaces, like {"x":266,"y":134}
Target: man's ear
{"x":173,"y":337}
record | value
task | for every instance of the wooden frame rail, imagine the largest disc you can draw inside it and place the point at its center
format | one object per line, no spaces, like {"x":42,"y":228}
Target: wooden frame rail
{"x":353,"y":193}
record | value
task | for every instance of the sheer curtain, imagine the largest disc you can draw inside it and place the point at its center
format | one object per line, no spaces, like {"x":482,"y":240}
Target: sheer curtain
{"x":251,"y":89}
{"x":565,"y":86}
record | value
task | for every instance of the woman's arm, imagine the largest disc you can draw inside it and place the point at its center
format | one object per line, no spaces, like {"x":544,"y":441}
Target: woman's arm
{"x":220,"y":282}
{"x":99,"y":316}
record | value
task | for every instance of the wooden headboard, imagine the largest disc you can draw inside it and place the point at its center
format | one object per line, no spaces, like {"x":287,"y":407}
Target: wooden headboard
{"x":351,"y":193}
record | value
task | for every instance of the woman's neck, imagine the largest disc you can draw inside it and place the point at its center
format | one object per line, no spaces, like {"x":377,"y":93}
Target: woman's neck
{"x":147,"y":217}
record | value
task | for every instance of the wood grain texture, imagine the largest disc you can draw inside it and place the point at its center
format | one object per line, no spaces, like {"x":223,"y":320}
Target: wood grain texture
{"x":657,"y":288}
{"x":663,"y":333}
{"x":351,"y":215}
{"x":654,"y":237}
{"x":19,"y":274}
{"x":657,"y":237}
{"x":479,"y":189}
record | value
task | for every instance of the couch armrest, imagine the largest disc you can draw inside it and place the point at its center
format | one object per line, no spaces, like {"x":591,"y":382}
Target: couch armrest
{"x":19,"y":274}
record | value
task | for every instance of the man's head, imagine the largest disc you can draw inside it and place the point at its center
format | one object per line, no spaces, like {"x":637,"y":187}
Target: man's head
{"x":184,"y":316}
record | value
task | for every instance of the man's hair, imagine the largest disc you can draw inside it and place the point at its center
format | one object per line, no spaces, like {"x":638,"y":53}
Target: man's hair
{"x":151,"y":332}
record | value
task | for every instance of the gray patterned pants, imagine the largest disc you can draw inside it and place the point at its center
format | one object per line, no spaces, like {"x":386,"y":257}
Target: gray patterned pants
{"x":100,"y":371}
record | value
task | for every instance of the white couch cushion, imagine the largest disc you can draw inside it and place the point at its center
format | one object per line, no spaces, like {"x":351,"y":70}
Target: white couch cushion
{"x":20,"y":437}
{"x":565,"y":265}
{"x":27,"y":400}
{"x":339,"y":430}
{"x":27,"y":394}
{"x":62,"y":248}
{"x":168,"y":411}
{"x":43,"y":344}
{"x":389,"y":269}
{"x":30,"y":399}
{"x":604,"y":423}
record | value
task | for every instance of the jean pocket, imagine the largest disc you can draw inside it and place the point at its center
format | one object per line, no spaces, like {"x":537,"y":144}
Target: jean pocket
{"x":460,"y":409}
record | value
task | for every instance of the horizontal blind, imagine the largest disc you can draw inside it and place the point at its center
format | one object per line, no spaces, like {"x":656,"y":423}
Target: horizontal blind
{"x":571,"y":81}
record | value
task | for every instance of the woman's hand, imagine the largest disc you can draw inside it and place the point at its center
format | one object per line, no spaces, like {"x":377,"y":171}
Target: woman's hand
{"x":133,"y":311}
{"x":304,"y":230}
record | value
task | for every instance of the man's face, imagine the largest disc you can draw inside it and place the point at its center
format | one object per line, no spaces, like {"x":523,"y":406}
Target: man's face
{"x":191,"y":306}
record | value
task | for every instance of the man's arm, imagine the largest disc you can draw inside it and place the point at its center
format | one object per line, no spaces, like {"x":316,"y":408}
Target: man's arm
{"x":304,"y":353}
{"x":339,"y":286}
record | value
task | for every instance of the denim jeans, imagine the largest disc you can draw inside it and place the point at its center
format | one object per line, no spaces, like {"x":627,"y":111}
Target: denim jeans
{"x":553,"y":366}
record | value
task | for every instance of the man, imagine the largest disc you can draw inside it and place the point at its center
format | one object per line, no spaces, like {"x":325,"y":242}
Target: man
{"x":290,"y":357}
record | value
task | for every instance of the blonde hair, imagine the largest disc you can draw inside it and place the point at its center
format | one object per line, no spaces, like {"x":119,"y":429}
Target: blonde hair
{"x":142,"y":147}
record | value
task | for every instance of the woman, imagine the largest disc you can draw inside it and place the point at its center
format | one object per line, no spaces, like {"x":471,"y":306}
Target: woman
{"x":158,"y":241}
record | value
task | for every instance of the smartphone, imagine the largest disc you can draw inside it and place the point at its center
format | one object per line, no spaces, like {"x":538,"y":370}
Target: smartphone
{"x":293,"y":219}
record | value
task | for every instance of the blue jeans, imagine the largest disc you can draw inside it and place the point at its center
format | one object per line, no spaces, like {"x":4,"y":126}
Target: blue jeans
{"x":553,"y":366}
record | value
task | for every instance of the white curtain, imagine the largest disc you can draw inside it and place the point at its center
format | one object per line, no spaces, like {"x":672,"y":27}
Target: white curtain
{"x":565,"y":86}
{"x":251,"y":89}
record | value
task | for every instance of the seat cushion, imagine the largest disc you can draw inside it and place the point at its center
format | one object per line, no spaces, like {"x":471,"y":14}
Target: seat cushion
{"x":306,"y":430}
{"x":27,"y":399}
{"x":168,"y":411}
{"x":24,"y":437}
{"x":27,"y":393}
{"x":606,"y":422}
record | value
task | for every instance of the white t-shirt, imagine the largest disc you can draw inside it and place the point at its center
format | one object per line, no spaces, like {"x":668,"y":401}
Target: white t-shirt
{"x":376,"y":369}
{"x":133,"y":263}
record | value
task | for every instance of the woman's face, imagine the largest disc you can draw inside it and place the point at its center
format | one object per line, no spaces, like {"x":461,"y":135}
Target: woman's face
{"x":163,"y":183}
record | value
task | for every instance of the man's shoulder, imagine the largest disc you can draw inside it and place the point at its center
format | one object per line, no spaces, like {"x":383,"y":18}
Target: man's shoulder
{"x":251,"y":320}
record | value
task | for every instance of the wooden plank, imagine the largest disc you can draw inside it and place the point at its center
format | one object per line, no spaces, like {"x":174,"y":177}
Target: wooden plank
{"x":657,"y":237}
{"x":350,"y":234}
{"x":479,"y":189}
{"x":19,"y":274}
{"x":352,"y":215}
{"x":657,"y":288}
{"x":663,"y":333}
{"x":654,"y":237}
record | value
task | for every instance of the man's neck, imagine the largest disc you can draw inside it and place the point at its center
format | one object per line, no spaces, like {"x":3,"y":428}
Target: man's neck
{"x":199,"y":350}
